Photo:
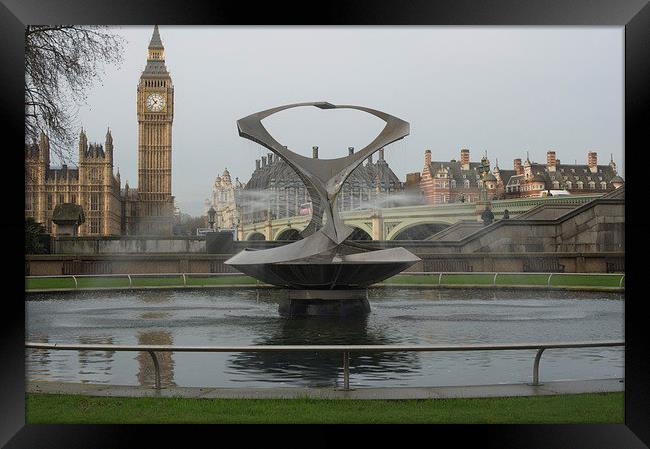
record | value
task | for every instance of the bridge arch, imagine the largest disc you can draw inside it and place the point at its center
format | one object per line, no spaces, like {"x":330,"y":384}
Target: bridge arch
{"x":255,"y":235}
{"x":288,"y":234}
{"x":360,"y":224}
{"x":359,"y":234}
{"x":419,"y":230}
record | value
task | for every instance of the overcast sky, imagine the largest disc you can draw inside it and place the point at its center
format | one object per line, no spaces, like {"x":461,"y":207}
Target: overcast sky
{"x":504,"y":90}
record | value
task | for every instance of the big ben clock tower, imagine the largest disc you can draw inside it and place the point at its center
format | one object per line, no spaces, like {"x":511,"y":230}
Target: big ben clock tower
{"x":155,"y":116}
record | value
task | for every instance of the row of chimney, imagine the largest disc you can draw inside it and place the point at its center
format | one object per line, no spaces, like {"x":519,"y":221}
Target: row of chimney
{"x":314,"y":154}
{"x":551,"y":161}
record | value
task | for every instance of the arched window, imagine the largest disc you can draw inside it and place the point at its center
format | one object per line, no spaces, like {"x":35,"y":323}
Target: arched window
{"x":467,"y":183}
{"x":569,"y":185}
{"x":579,"y":184}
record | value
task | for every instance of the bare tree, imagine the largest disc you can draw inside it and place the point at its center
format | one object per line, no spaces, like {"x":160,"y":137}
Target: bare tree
{"x":61,"y":63}
{"x":187,"y":225}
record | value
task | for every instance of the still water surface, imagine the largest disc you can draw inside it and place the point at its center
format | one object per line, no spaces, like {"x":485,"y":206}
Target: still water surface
{"x":250,"y":317}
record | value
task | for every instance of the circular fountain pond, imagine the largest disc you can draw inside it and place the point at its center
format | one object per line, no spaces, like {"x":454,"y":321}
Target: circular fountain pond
{"x":220,"y":317}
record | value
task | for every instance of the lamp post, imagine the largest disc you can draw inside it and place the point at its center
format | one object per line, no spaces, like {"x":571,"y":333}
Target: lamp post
{"x":211,"y":216}
{"x":483,"y":169}
{"x":483,"y":203}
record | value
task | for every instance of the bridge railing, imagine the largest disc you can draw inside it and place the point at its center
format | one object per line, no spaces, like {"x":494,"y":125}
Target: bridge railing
{"x":512,"y":204}
{"x":344,"y":349}
{"x":440,"y":279}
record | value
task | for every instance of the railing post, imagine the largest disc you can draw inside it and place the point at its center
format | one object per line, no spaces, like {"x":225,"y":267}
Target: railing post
{"x":494,"y":281}
{"x":346,"y":370}
{"x":156,"y":367}
{"x":75,"y":282}
{"x":538,"y":356}
{"x":548,"y":283}
{"x":440,"y":278}
{"x":130,"y":281}
{"x":620,"y":283}
{"x":184,"y":280}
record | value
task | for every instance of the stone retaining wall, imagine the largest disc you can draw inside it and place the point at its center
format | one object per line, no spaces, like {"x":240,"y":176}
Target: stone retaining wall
{"x":47,"y":265}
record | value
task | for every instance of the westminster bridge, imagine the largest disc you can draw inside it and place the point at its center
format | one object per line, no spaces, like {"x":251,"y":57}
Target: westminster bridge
{"x":405,"y":223}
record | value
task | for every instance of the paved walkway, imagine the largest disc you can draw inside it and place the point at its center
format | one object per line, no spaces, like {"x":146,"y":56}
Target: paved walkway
{"x":473,"y":391}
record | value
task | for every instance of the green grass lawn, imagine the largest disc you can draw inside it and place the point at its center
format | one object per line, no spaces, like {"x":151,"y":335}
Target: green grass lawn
{"x":557,"y":280}
{"x":449,"y":279}
{"x":522,"y":279}
{"x":561,"y":279}
{"x":143,"y":281}
{"x":581,"y":408}
{"x":221,"y":280}
{"x":138,"y":281}
{"x":92,"y":282}
{"x":504,"y":280}
{"x":44,"y":283}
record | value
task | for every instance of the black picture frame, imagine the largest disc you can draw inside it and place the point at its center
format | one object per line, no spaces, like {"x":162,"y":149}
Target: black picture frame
{"x":634,"y":15}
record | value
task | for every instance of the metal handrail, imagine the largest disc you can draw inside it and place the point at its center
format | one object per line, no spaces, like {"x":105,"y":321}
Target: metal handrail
{"x":405,"y":273}
{"x":183,"y":279}
{"x":345,"y":349}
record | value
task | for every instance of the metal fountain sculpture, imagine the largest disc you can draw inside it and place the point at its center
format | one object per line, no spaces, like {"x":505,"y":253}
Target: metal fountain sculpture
{"x":324,"y":260}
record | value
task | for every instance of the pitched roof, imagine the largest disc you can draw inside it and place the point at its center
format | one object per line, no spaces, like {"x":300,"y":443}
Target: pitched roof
{"x":506,"y":175}
{"x":279,"y":171}
{"x":156,"y":42}
{"x":565,"y":173}
{"x":68,"y":212}
{"x":62,"y":173}
{"x":456,"y":172}
{"x":155,"y":68}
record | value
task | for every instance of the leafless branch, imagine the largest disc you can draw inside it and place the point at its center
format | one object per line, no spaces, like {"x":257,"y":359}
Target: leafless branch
{"x":61,"y":63}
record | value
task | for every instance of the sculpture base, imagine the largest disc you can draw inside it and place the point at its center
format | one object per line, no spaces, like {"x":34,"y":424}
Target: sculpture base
{"x":324,"y":303}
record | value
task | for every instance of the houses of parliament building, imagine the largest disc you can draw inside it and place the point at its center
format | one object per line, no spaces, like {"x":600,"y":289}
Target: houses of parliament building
{"x":108,"y":208}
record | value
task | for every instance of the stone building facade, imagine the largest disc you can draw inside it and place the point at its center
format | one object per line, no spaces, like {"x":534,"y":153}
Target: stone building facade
{"x":92,"y":185}
{"x":534,"y":179}
{"x":275,"y":191}
{"x":455,"y":181}
{"x":462,"y":181}
{"x":109,"y":209}
{"x":225,"y":197}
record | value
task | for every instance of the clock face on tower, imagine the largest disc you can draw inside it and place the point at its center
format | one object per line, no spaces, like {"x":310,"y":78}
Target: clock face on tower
{"x":155,"y":102}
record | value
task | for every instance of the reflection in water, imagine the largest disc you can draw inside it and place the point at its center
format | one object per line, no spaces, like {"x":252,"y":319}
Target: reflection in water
{"x":146,"y":371}
{"x":39,"y":359}
{"x":95,"y":362}
{"x":250,"y":317}
{"x":318,"y":369}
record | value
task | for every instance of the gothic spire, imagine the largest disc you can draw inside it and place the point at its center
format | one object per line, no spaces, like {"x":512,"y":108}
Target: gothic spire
{"x":156,"y":42}
{"x":156,"y":57}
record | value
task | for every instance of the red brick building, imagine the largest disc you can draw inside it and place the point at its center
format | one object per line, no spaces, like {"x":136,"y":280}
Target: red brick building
{"x":460,"y":181}
{"x":455,"y":181}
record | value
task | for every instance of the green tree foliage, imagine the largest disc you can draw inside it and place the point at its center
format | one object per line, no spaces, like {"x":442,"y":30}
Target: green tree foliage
{"x":34,"y":233}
